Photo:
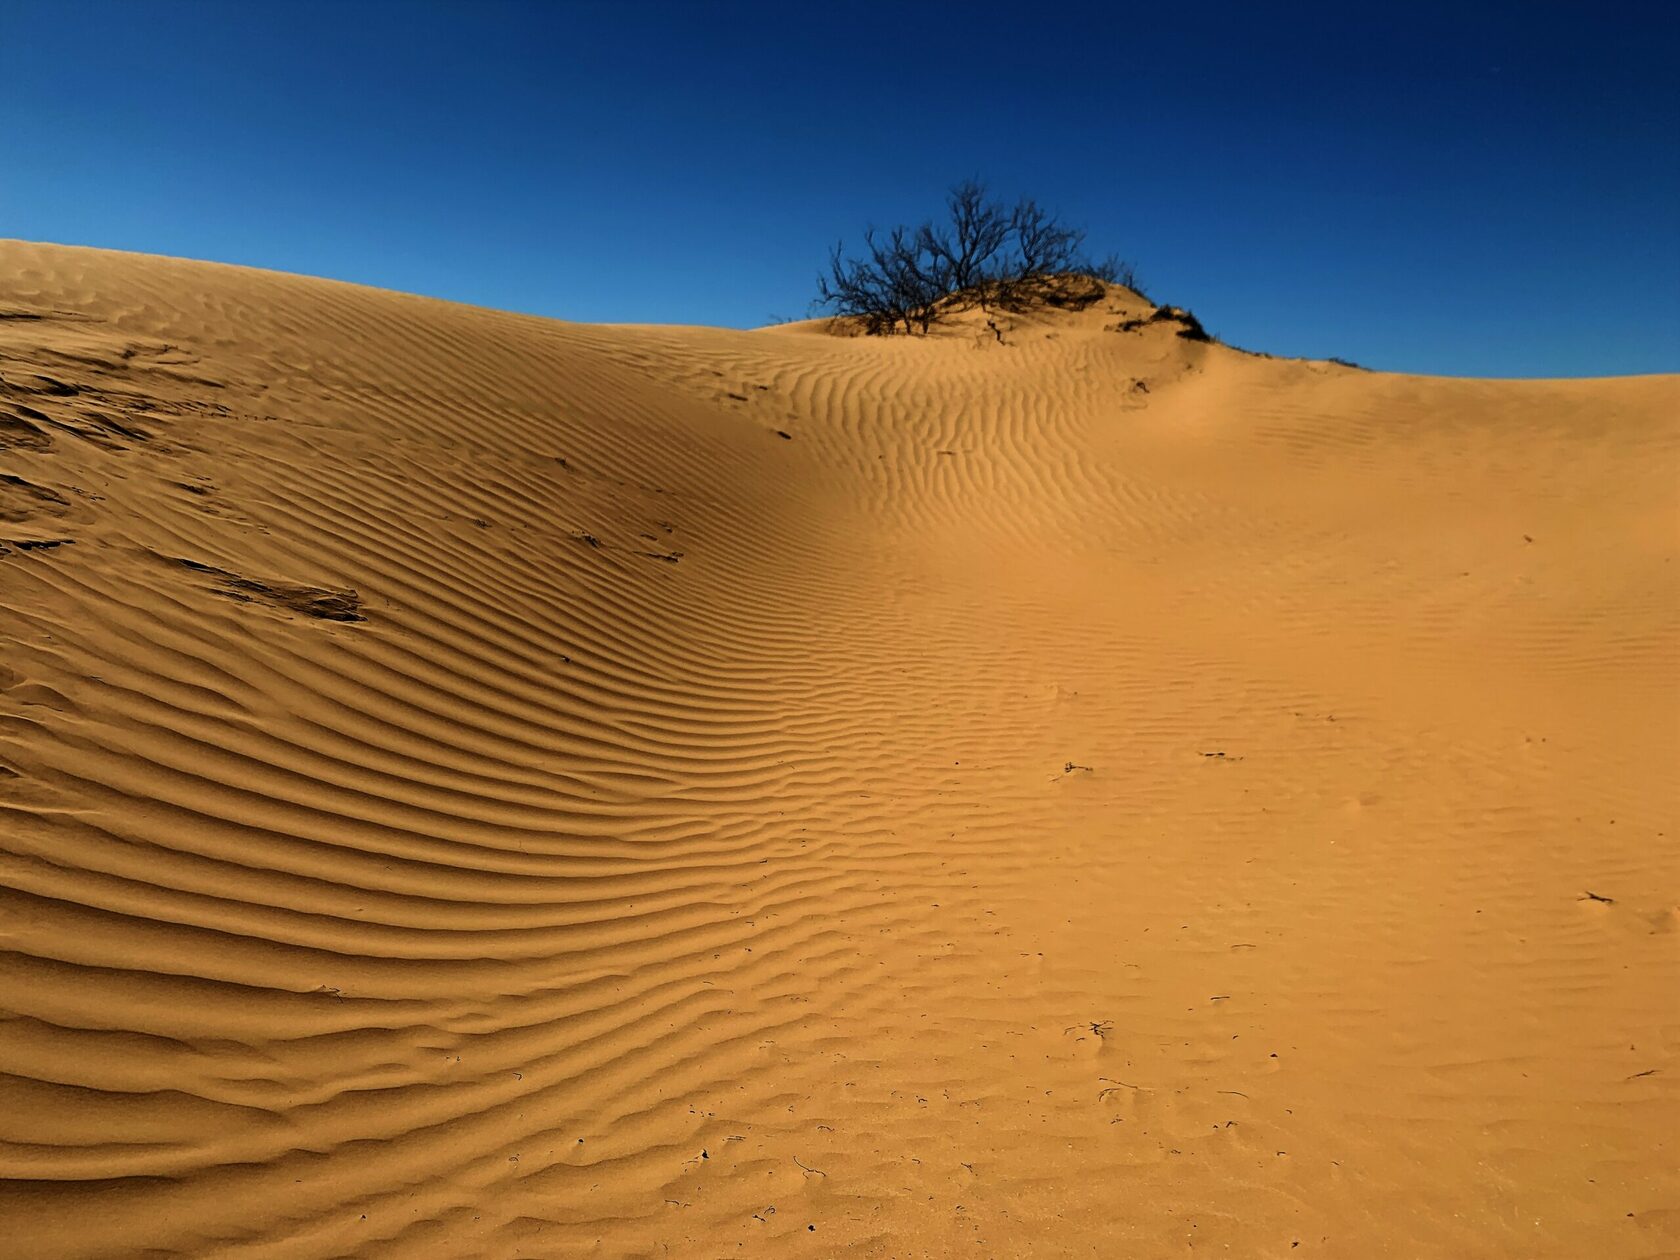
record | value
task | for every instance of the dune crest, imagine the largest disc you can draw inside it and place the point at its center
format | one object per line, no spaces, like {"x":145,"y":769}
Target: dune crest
{"x":478,"y":785}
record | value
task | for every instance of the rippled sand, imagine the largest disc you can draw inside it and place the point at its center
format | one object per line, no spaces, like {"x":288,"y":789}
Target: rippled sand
{"x":472,"y":785}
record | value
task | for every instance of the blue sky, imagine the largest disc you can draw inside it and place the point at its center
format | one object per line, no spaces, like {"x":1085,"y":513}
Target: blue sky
{"x":1466,"y":189}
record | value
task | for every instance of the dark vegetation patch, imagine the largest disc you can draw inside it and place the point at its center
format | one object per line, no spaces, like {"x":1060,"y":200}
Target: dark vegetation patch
{"x":1075,"y":293}
{"x":1190,"y":328}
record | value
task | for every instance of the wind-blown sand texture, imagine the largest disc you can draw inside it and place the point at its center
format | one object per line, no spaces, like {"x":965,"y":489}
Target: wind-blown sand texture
{"x":472,"y":785}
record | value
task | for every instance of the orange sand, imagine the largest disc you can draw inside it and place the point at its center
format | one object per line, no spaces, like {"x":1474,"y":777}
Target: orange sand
{"x":1095,"y":794}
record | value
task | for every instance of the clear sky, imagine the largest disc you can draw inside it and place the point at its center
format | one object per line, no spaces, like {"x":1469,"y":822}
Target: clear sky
{"x":1475,"y":189}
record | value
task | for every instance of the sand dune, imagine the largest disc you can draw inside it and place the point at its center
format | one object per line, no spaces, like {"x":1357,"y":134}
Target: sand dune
{"x":472,"y":785}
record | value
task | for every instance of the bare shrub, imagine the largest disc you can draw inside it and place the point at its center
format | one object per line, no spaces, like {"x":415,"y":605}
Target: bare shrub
{"x":982,"y":254}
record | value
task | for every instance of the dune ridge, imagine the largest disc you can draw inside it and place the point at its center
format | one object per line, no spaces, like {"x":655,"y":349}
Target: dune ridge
{"x":478,"y":785}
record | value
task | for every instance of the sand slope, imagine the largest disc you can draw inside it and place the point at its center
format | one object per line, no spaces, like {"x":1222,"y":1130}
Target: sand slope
{"x":470,"y":786}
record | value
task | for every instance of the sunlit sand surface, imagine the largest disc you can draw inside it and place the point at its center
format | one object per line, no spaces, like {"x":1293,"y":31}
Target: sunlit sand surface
{"x":472,"y":785}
